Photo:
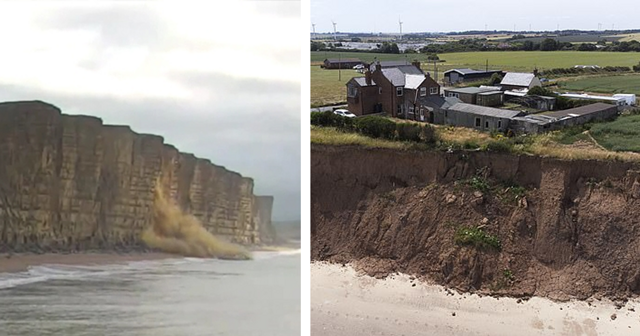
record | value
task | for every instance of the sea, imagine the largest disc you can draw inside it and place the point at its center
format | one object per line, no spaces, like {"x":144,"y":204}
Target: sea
{"x":181,"y":296}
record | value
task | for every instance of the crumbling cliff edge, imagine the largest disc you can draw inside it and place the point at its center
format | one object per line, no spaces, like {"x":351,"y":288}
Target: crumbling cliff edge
{"x":70,"y":183}
{"x":567,"y":229}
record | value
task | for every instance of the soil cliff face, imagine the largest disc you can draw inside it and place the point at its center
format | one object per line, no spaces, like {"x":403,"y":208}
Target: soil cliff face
{"x":70,"y":182}
{"x":571,"y":230}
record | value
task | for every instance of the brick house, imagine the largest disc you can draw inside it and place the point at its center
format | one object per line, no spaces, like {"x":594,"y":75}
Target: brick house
{"x":399,"y":91}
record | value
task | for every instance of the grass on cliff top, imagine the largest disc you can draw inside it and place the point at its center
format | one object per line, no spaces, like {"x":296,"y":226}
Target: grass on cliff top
{"x":565,"y":144}
{"x":335,"y":137}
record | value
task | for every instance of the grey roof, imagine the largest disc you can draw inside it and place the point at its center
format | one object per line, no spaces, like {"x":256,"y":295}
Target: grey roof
{"x":582,"y":110}
{"x":489,"y":93}
{"x":539,"y":119}
{"x":400,"y":76}
{"x":517,"y":78}
{"x":394,"y":75}
{"x":413,"y":81}
{"x":439,"y":102}
{"x":469,"y":90}
{"x":391,"y":64}
{"x":467,"y":71}
{"x":363,"y":82}
{"x":486,"y":111}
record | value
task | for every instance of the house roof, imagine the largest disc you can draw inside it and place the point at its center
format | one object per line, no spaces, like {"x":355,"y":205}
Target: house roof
{"x":470,"y":90}
{"x":405,"y":76}
{"x":343,"y":60}
{"x":439,"y":102}
{"x":517,"y":79}
{"x":413,"y":81}
{"x":390,"y":64}
{"x":486,"y":111}
{"x":363,"y":82}
{"x":467,"y":71}
{"x":539,"y":119}
{"x":582,"y":110}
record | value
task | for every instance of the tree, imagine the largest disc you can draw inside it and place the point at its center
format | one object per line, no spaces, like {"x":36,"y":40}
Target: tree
{"x":495,"y":79}
{"x":548,"y":45}
{"x":433,"y":57}
{"x":317,"y":46}
{"x":587,"y":47}
{"x":528,"y":45}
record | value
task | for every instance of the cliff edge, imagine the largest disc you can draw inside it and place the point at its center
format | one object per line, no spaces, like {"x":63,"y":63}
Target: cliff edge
{"x":554,"y":228}
{"x":72,"y":183}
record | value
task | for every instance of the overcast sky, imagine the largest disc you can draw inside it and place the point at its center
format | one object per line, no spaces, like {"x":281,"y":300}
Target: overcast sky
{"x":221,"y":82}
{"x":461,"y":15}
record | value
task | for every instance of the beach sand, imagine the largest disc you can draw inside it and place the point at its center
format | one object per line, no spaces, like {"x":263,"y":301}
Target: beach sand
{"x":346,"y":303}
{"x":20,"y":262}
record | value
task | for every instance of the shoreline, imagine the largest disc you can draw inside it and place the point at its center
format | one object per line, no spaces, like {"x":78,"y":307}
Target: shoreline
{"x":20,"y":262}
{"x":344,"y":301}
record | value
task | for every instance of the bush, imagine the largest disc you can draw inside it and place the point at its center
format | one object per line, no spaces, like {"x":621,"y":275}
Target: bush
{"x":330,"y":119}
{"x":503,"y":146}
{"x":375,"y":127}
{"x":409,"y":132}
{"x":476,"y":237}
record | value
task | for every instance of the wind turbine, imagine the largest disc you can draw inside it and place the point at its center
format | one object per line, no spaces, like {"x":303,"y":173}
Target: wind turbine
{"x":400,"y":23}
{"x":334,"y":29}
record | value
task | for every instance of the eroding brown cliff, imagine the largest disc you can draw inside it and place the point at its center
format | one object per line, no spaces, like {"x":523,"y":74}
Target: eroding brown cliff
{"x":574,"y":231}
{"x":72,"y":183}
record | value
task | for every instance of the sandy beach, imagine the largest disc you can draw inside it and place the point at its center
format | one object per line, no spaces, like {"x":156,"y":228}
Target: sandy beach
{"x":20,"y":262}
{"x":346,"y":303}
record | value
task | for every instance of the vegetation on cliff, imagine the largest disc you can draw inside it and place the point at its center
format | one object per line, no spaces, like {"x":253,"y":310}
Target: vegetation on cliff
{"x":619,"y":138}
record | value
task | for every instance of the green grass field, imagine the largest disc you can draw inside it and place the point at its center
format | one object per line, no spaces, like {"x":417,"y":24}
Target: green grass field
{"x":605,"y":84}
{"x":326,"y":89}
{"x":622,"y":134}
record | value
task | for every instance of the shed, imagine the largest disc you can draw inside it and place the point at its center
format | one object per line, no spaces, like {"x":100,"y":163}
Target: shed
{"x":480,"y":117}
{"x":519,"y":80}
{"x":454,"y":76}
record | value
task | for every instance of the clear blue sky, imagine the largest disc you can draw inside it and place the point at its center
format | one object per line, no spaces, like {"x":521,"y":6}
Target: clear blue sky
{"x":461,"y":15}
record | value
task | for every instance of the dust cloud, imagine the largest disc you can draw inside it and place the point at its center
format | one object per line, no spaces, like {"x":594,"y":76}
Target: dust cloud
{"x":175,"y":232}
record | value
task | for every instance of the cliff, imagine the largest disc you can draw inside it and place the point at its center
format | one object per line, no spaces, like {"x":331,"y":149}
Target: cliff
{"x":567,"y":228}
{"x":73,"y":183}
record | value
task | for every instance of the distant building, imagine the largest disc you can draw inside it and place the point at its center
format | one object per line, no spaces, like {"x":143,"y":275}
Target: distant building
{"x":341,"y":63}
{"x":387,"y":64}
{"x":479,"y":117}
{"x":399,"y":91}
{"x":519,"y":81}
{"x":455,"y":76}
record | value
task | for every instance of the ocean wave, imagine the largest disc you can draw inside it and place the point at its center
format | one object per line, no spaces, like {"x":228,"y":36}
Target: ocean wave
{"x":261,"y":255}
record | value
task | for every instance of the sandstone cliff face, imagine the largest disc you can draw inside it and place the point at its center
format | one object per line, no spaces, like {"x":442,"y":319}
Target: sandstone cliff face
{"x":575,"y":233}
{"x":70,"y":182}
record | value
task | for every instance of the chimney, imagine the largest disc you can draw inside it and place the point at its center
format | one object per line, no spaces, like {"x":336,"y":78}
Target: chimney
{"x":367,"y":76}
{"x":535,"y":72}
{"x":416,"y":63}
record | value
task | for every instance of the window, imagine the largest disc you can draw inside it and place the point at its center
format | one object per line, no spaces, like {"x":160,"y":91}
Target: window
{"x":500,"y":123}
{"x":379,"y":90}
{"x":486,"y":124}
{"x":423,"y":91}
{"x":453,"y":94}
{"x":399,"y":90}
{"x":477,"y":122}
{"x":433,"y":90}
{"x":411,"y":109}
{"x":352,"y":91}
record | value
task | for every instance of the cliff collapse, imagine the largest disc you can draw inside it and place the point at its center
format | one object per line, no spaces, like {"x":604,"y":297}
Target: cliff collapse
{"x":567,"y":228}
{"x":72,"y":183}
